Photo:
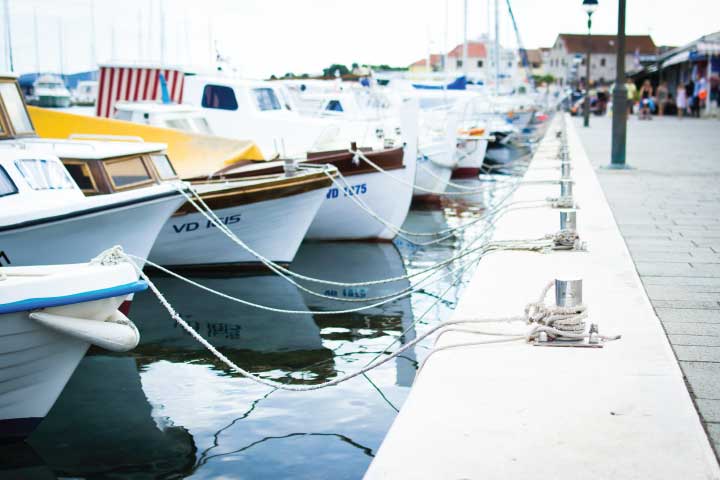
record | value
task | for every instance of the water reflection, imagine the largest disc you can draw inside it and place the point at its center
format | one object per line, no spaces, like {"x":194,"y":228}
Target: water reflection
{"x":102,"y":427}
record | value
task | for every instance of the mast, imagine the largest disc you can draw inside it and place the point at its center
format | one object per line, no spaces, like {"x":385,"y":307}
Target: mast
{"x":61,"y":47}
{"x":140,"y":35}
{"x":8,"y":34}
{"x":162,"y":32}
{"x":465,"y":37}
{"x":93,"y":52}
{"x":36,"y":41}
{"x":497,"y":49}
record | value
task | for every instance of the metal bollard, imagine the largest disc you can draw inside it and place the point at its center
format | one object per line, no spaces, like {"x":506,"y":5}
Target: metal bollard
{"x":568,"y":220}
{"x":565,"y":169}
{"x":290,"y":167}
{"x":568,"y":292}
{"x":566,"y":188}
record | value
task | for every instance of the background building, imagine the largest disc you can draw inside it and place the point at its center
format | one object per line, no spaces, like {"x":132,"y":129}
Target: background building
{"x":566,"y":59}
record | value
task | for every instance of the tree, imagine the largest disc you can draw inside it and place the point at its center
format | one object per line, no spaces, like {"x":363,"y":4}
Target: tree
{"x":335,"y":67}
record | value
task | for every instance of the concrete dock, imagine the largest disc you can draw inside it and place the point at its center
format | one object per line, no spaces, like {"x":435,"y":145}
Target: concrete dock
{"x":515,"y":410}
{"x":668,"y":210}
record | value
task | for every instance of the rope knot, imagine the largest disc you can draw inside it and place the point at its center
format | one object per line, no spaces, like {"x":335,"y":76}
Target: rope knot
{"x":112,"y":256}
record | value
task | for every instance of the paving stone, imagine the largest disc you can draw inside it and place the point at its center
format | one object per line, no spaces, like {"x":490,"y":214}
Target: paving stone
{"x":688,"y":353}
{"x":681,"y":292}
{"x":703,"y":378}
{"x":694,"y":340}
{"x":694,"y":304}
{"x":710,"y":411}
{"x":713,"y":430}
{"x":709,"y":282}
{"x":690,"y":328}
{"x":693,"y":315}
{"x":667,"y":269}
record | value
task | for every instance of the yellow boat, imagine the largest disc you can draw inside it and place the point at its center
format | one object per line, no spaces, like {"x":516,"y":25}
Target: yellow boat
{"x":192,"y":154}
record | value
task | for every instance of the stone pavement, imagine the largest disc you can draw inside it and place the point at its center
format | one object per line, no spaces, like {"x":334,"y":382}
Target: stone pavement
{"x":668,"y":210}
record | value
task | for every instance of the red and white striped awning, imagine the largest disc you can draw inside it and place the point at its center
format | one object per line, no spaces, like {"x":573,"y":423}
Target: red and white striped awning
{"x":135,"y":84}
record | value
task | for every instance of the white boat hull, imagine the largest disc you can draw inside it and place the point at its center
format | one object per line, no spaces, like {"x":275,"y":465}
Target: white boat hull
{"x":274,"y":228}
{"x":72,"y":239}
{"x":471,"y":156}
{"x":340,"y":218}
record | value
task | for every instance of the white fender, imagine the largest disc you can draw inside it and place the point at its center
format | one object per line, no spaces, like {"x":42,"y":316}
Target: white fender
{"x":117,"y":333}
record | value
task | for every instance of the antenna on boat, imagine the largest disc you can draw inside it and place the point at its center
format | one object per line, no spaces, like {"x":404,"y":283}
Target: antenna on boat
{"x":8,"y":34}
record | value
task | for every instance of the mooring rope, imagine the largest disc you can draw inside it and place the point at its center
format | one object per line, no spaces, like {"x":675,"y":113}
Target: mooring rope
{"x":116,"y":255}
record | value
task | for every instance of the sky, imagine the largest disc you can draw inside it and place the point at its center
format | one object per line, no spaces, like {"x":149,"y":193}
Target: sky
{"x":262,"y":37}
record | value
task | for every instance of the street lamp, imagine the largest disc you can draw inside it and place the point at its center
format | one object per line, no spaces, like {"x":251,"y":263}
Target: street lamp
{"x":590,"y":6}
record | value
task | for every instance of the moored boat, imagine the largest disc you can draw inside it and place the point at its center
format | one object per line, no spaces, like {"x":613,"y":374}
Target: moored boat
{"x":49,"y":316}
{"x":50,"y":91}
{"x":269,"y":213}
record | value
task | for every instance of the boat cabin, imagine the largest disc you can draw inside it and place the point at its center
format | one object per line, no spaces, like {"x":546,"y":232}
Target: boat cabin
{"x":171,"y":115}
{"x":100,"y":167}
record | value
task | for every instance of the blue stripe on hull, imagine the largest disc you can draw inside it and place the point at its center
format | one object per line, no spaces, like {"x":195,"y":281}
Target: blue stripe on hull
{"x":36,"y":303}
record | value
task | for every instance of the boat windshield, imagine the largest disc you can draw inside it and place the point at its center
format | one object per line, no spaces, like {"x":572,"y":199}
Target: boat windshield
{"x":42,"y":174}
{"x":7,"y":187}
{"x":266,"y":99}
{"x":15,"y":108}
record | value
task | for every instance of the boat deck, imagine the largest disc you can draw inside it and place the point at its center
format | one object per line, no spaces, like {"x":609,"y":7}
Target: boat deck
{"x":515,"y":410}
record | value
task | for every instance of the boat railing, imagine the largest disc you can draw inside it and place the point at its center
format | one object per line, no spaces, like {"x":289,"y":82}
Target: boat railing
{"x":106,"y":137}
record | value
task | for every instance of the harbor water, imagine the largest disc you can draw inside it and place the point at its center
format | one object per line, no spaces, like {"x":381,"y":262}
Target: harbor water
{"x":169,"y":409}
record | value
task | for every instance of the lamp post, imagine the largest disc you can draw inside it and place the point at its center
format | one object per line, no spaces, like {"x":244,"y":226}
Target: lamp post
{"x":619,"y":120}
{"x":590,"y":6}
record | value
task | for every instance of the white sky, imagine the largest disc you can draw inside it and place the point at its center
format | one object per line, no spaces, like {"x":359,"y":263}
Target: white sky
{"x":277,"y":36}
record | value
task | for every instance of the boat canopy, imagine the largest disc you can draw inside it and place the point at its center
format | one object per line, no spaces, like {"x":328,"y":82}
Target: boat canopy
{"x":192,"y":154}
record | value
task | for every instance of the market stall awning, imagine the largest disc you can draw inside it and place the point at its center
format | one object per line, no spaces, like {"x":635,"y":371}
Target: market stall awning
{"x":679,"y":57}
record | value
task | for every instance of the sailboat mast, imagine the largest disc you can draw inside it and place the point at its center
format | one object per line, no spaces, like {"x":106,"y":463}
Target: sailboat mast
{"x":162,"y":32}
{"x":8,"y":35}
{"x":465,"y":37}
{"x":93,"y":52}
{"x":61,"y":47}
{"x":36,"y":40}
{"x":497,"y":49}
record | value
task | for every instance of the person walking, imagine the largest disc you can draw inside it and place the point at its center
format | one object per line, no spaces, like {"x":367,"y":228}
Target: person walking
{"x":631,"y":94}
{"x":646,"y":92}
{"x":662,"y":93}
{"x":681,"y":100}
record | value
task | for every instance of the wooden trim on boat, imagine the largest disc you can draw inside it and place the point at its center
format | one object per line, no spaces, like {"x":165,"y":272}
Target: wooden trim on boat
{"x":388,"y":159}
{"x":247,"y":193}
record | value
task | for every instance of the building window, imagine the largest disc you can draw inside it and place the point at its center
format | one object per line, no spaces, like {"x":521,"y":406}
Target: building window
{"x":458,"y":63}
{"x":582,"y":62}
{"x":479,"y":63}
{"x":7,"y":187}
{"x":602,"y":62}
{"x":509,"y":64}
{"x":334,"y":106}
{"x":219,"y":97}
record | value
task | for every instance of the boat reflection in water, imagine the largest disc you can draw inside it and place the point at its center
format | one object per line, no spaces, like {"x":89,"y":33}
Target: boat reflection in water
{"x":355,"y":262}
{"x":102,"y":426}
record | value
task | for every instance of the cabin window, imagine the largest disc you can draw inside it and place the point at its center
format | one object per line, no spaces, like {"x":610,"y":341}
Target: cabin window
{"x":202,"y":125}
{"x":219,"y":97}
{"x":127,"y":172}
{"x":163,"y":166}
{"x":123,"y":115}
{"x":179,"y":124}
{"x":334,"y":106}
{"x":43,"y":174}
{"x":15,"y":108}
{"x":266,"y":99}
{"x":7,"y":187}
{"x":80,"y":172}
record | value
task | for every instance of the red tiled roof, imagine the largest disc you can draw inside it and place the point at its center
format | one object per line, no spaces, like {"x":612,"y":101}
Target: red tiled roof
{"x":435,"y":59}
{"x":578,"y":43}
{"x":475,"y":50}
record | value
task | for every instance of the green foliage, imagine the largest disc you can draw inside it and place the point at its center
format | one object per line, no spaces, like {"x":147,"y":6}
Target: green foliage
{"x":543,"y":79}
